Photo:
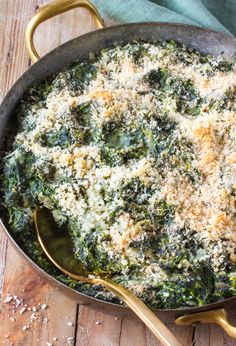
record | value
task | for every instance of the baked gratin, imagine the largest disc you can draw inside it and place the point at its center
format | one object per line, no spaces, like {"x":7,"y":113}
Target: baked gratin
{"x":134,"y":151}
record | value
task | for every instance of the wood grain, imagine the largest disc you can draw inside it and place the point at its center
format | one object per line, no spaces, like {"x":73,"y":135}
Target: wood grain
{"x":57,"y":320}
{"x":63,"y":322}
{"x":3,"y":255}
{"x":96,"y":329}
{"x":13,"y":57}
{"x":215,"y":335}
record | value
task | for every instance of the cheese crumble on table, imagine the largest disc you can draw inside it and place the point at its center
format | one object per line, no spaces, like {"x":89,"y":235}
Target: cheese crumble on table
{"x":134,"y":151}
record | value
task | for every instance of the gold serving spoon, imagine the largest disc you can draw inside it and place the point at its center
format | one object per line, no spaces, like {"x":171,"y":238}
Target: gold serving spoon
{"x":58,"y":246}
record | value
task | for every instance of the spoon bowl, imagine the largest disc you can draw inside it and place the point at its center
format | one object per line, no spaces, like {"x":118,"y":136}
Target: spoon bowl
{"x":58,"y":246}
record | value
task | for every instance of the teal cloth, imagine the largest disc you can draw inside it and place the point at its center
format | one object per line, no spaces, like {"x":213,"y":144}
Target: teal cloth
{"x":219,"y":15}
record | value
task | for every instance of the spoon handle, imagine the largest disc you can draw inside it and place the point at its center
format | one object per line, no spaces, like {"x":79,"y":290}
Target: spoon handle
{"x":144,"y":313}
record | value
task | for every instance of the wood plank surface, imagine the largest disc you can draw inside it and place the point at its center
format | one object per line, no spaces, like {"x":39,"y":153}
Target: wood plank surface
{"x":3,"y":255}
{"x":31,"y":311}
{"x":34,"y":326}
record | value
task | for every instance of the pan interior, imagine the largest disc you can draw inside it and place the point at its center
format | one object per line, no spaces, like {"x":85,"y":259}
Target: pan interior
{"x":71,"y":60}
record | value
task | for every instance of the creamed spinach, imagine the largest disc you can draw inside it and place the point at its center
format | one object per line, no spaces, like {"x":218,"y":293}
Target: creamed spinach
{"x":134,"y":151}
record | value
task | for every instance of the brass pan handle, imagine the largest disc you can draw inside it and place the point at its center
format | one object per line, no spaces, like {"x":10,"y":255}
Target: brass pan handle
{"x":51,"y":10}
{"x":218,"y":316}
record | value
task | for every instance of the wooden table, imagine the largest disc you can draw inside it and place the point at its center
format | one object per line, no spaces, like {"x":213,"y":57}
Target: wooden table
{"x":61,"y":321}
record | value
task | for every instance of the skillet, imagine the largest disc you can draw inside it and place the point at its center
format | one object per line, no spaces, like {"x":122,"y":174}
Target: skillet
{"x":205,"y":41}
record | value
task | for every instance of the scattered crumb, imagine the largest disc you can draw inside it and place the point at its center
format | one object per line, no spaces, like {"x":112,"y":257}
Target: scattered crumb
{"x":98,"y":322}
{"x":70,"y":324}
{"x":8,"y":299}
{"x":22,"y":310}
{"x":17,"y":307}
{"x":54,"y":338}
{"x":70,"y":339}
{"x":43,"y":306}
{"x":25,"y":327}
{"x":48,"y":344}
{"x":116,"y":318}
{"x":33,"y":317}
{"x":17,"y":301}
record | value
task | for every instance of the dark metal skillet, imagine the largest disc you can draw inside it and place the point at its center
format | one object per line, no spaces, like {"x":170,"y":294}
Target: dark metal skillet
{"x":205,"y":41}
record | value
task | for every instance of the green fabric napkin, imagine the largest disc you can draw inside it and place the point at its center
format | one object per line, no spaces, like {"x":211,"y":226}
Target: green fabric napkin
{"x":219,"y":15}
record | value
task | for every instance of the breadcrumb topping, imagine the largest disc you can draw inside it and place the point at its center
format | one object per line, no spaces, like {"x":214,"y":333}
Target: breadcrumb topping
{"x":144,"y":149}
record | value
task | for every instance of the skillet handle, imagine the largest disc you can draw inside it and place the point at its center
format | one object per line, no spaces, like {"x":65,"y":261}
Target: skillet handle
{"x":218,"y":316}
{"x":51,"y":10}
